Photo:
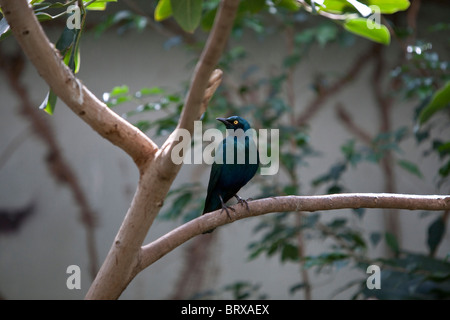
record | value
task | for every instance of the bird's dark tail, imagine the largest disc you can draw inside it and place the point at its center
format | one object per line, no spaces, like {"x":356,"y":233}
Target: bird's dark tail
{"x":210,"y":205}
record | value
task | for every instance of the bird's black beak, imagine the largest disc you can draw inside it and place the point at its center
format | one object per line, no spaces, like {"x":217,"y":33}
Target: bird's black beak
{"x":224,"y":121}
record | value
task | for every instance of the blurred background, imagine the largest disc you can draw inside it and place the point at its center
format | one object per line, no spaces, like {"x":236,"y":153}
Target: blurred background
{"x":347,"y":110}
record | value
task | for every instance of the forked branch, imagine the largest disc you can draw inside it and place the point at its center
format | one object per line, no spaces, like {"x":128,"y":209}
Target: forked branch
{"x":47,"y":60}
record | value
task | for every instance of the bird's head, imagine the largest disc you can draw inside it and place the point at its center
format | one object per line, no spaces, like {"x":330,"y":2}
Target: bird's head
{"x":235,"y":123}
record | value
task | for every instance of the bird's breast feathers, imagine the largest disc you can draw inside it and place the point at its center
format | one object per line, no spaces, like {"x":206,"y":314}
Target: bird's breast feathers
{"x":233,"y":149}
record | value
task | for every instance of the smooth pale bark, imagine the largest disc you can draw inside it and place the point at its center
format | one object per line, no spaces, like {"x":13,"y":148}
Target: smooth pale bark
{"x":158,"y":248}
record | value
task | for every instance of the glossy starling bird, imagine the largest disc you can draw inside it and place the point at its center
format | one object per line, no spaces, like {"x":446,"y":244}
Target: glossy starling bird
{"x":231,"y":170}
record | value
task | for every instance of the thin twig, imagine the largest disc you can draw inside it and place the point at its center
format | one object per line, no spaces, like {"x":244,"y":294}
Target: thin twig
{"x":58,"y":165}
{"x":353,"y":127}
{"x":384,"y":105}
{"x":314,"y":106}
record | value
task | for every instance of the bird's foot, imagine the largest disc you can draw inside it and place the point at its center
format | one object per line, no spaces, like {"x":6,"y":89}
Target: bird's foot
{"x":242,"y":201}
{"x":226,"y":208}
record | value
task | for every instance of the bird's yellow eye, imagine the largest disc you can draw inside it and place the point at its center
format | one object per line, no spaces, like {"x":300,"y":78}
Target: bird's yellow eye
{"x":235,"y":122}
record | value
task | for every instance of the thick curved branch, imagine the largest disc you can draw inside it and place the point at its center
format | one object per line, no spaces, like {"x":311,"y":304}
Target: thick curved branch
{"x":79,"y":99}
{"x":160,"y":247}
{"x":204,"y":76}
{"x":211,"y":54}
{"x":123,"y":259}
{"x":204,"y":82}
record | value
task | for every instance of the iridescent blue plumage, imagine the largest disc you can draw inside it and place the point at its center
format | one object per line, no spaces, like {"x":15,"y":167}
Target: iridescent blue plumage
{"x":231,"y":170}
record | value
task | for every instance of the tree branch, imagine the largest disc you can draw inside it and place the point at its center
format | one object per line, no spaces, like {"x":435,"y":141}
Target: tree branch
{"x":59,"y":167}
{"x":157,"y":170}
{"x":47,"y":60}
{"x":160,"y":247}
{"x":211,"y":54}
{"x":351,"y":125}
{"x":202,"y":77}
{"x":123,"y":259}
{"x":313,"y":107}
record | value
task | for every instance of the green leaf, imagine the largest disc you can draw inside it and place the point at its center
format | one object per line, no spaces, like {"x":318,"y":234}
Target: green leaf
{"x":444,"y":171}
{"x":297,"y":287}
{"x":392,"y":242}
{"x":384,"y":6}
{"x":305,"y":37}
{"x":48,"y":5}
{"x":66,"y":40}
{"x":389,"y":6}
{"x":369,"y":29}
{"x":151,"y":91}
{"x":324,"y":259}
{"x":326,"y":33}
{"x":72,"y":59}
{"x":143,"y":125}
{"x":48,"y":105}
{"x":354,"y":239}
{"x":119,"y":91}
{"x":291,"y":5}
{"x":118,"y":95}
{"x":178,"y":205}
{"x":436,"y":233}
{"x":375,"y":238}
{"x":208,"y":19}
{"x":42,"y":16}
{"x":359,"y":212}
{"x":187,"y":13}
{"x":410,"y":167}
{"x":253,"y":6}
{"x":68,"y":43}
{"x":440,"y":100}
{"x":443,"y":149}
{"x":336,"y":6}
{"x":335,"y":188}
{"x":99,"y":5}
{"x":290,"y":190}
{"x":289,"y":252}
{"x":337,"y":223}
{"x":163,"y":10}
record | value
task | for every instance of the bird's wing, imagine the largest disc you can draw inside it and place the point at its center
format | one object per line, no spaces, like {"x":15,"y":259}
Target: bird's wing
{"x":216,"y":171}
{"x":214,"y":177}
